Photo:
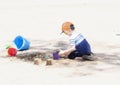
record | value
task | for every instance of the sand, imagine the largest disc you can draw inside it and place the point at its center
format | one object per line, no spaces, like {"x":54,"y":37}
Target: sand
{"x":17,"y":71}
{"x":40,"y":22}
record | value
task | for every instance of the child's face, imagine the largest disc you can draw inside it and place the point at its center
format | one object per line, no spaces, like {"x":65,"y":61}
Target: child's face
{"x":68,"y":32}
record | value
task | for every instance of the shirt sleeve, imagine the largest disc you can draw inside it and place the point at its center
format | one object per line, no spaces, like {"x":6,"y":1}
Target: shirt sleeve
{"x":72,"y":41}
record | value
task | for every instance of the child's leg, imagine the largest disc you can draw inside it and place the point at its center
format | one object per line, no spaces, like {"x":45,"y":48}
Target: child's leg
{"x":74,"y":54}
{"x":84,"y":47}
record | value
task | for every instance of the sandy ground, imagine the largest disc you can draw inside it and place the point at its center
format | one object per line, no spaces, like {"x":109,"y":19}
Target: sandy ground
{"x":105,"y":70}
{"x":40,"y":22}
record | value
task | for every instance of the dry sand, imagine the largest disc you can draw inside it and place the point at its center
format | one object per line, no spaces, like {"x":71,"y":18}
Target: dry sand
{"x":105,"y":70}
{"x":40,"y":22}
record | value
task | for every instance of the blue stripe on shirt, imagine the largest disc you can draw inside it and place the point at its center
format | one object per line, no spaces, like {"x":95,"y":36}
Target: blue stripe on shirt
{"x":78,"y":39}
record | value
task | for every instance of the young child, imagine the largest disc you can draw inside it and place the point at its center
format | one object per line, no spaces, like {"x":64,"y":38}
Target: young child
{"x":79,"y":46}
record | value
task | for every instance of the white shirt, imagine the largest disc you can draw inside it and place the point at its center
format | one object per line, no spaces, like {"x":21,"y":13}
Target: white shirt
{"x":76,"y":38}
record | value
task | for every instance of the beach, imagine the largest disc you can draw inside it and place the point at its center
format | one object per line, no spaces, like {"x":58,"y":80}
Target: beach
{"x":40,"y":22}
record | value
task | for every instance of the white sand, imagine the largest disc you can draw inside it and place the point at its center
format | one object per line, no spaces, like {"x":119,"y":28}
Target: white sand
{"x":97,"y":20}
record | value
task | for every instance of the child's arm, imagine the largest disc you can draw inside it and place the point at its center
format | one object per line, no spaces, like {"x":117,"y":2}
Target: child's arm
{"x":67,"y":52}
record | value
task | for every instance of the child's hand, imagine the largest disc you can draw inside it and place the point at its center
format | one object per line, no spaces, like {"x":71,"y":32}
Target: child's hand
{"x":61,"y":53}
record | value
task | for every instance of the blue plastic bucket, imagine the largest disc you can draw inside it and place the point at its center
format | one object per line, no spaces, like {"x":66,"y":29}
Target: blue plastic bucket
{"x":21,"y":43}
